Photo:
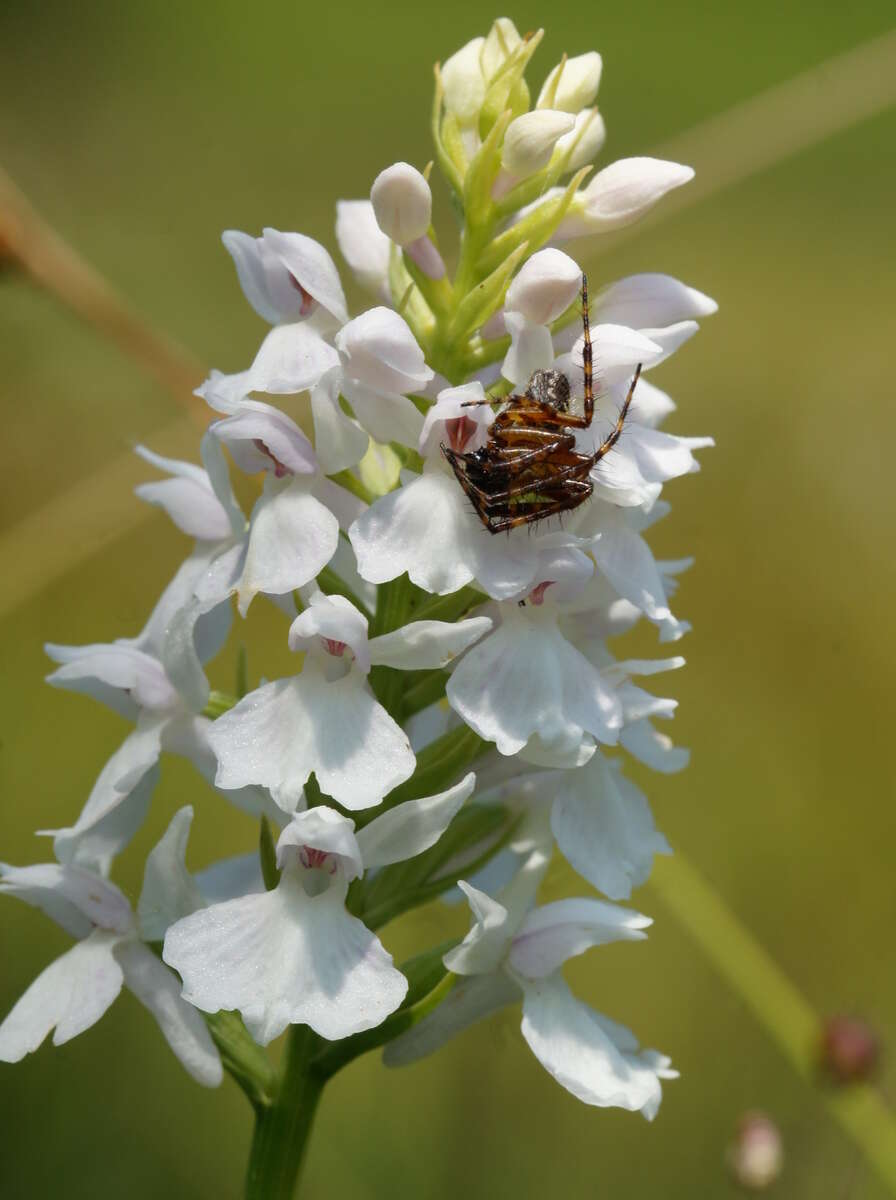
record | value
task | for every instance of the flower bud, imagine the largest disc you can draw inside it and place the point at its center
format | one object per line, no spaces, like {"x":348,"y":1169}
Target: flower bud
{"x":756,"y":1155}
{"x":463,"y":82}
{"x":503,"y":38}
{"x":850,"y":1049}
{"x":402,"y":203}
{"x":585,"y":141}
{"x":572,"y":84}
{"x":545,"y":287}
{"x":530,"y":140}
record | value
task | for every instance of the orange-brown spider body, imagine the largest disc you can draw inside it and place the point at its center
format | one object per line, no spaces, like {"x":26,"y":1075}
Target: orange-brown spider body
{"x":529,"y":469}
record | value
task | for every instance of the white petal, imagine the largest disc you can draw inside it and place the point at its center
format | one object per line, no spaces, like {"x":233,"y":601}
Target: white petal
{"x":621,"y":192}
{"x":572,"y":84}
{"x":572,"y":1045}
{"x":650,"y":300}
{"x":617,"y":351}
{"x":116,"y":674}
{"x":322,"y":828}
{"x":117,"y":804}
{"x":209,"y":630}
{"x":402,"y":203}
{"x":363,"y":244}
{"x":669,"y":338}
{"x":276,"y":736}
{"x":530,"y":139}
{"x":69,"y":996}
{"x":545,"y":286}
{"x":531,"y":349}
{"x":310,"y":265}
{"x":412,"y":827}
{"x":292,"y":537}
{"x":605,"y":830}
{"x":159,"y":990}
{"x":169,"y":891}
{"x":55,"y":888}
{"x":284,"y":447}
{"x":239,"y":875}
{"x":472,"y":999}
{"x":487,"y":943}
{"x":653,"y":748}
{"x":428,"y":528}
{"x":423,"y":645}
{"x":286,"y":958}
{"x":556,"y":932}
{"x":464,"y":83}
{"x":626,"y":560}
{"x":291,"y":359}
{"x":188,"y":498}
{"x":246,"y":252}
{"x":339,"y":441}
{"x":336,"y":619}
{"x":526,"y":678}
{"x":380,"y":352}
{"x":387,"y":416}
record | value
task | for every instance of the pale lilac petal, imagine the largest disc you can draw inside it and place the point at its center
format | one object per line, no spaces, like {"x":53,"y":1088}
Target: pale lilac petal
{"x":412,"y":827}
{"x":69,"y":996}
{"x":650,"y":300}
{"x":159,"y":990}
{"x":573,"y":1046}
{"x":117,"y":804}
{"x":425,"y":645}
{"x":118,"y":675}
{"x":310,"y":265}
{"x":169,"y":891}
{"x":554,"y":933}
{"x":487,"y":943}
{"x":261,"y":438}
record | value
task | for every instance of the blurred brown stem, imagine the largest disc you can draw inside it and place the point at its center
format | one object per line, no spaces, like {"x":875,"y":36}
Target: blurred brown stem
{"x":30,"y":244}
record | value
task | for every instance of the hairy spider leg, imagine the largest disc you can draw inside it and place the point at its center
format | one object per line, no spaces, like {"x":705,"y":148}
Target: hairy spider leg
{"x":519,"y":459}
{"x":587,"y":364}
{"x":613,"y":437}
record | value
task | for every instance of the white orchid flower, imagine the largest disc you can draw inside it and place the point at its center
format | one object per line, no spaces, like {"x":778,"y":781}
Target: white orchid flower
{"x":294,"y":955}
{"x":74,"y":991}
{"x":514,"y":951}
{"x":326,"y":719}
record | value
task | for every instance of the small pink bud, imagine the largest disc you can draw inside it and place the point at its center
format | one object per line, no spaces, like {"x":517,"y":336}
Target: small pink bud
{"x":756,"y":1156}
{"x":850,"y":1049}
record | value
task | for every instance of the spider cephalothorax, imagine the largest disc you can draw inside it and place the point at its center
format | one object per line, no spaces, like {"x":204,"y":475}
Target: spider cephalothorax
{"x":529,"y":468}
{"x":550,"y":387}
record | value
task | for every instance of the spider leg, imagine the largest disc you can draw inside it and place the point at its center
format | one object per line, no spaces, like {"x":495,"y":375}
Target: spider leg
{"x":613,"y":437}
{"x":587,"y":354}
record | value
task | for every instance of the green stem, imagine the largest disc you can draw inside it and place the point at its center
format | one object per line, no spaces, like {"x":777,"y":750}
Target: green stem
{"x":785,"y":1015}
{"x":393,"y":605}
{"x":243,"y":1058}
{"x":282,"y":1129}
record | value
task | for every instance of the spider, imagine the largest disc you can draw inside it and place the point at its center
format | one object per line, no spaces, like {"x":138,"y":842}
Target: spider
{"x":530,"y":469}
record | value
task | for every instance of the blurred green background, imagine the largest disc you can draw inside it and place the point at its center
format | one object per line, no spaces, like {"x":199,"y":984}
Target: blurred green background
{"x":143,"y":130}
